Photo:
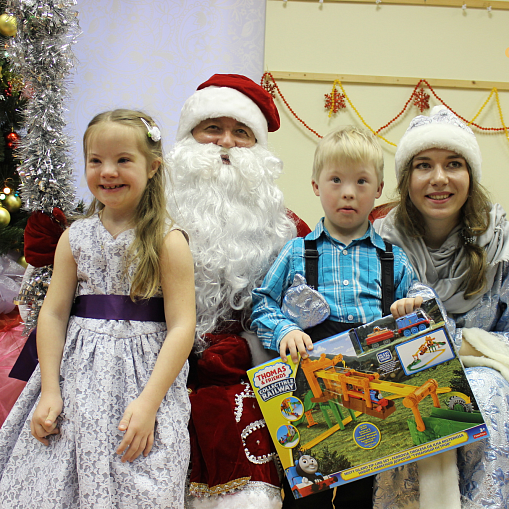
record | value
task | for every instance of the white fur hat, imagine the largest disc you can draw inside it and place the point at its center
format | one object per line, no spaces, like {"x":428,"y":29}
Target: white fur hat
{"x":442,"y":129}
{"x":234,"y":96}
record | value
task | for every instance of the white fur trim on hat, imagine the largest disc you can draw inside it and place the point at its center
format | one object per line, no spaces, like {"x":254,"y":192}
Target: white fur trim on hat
{"x":215,"y":102}
{"x":442,"y":129}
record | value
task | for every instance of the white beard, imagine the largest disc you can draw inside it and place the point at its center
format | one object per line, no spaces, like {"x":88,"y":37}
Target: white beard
{"x":237,"y":223}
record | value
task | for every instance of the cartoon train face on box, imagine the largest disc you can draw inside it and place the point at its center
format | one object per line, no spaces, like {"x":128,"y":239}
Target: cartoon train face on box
{"x":304,"y":478}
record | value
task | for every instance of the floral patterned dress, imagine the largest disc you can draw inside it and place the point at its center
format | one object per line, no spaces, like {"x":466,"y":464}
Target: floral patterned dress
{"x":105,"y":365}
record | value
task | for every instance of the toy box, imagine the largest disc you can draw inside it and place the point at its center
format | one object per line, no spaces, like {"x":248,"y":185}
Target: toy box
{"x":366,"y":400}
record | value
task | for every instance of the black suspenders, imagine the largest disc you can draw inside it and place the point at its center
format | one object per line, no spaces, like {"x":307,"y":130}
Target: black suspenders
{"x":386,"y":262}
{"x":311,"y":263}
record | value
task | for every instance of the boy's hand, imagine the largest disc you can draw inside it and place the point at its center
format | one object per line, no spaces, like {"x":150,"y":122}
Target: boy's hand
{"x":138,"y":422}
{"x":404,"y":306}
{"x":44,"y":419}
{"x":295,"y":341}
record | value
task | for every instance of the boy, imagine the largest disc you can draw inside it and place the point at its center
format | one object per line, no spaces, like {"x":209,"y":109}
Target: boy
{"x":348,"y":177}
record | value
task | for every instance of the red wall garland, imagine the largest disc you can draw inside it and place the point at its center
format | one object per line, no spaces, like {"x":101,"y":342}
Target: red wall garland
{"x":335,"y":101}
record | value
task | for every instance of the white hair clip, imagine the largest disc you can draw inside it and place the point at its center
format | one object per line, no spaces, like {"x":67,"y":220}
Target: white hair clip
{"x":153,"y":131}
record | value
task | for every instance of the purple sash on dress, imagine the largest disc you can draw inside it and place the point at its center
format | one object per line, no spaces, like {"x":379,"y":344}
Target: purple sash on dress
{"x":102,"y":307}
{"x":119,"y":307}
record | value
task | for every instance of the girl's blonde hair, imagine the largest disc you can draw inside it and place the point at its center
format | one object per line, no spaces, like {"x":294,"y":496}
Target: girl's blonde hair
{"x":475,"y":217}
{"x":150,"y":215}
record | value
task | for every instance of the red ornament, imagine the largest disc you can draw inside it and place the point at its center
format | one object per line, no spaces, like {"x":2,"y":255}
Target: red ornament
{"x":12,"y":139}
{"x":421,"y":100}
{"x":268,"y":86}
{"x":12,"y":136}
{"x":339,"y":102}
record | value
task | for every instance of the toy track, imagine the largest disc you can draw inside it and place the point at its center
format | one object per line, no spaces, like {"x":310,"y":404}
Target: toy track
{"x":328,"y":433}
{"x":353,"y":388}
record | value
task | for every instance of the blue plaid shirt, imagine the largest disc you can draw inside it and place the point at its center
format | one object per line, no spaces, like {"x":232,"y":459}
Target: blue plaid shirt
{"x":349,"y":277}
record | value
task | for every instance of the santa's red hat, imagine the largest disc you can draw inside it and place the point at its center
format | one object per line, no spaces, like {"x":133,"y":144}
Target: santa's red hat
{"x":234,"y":96}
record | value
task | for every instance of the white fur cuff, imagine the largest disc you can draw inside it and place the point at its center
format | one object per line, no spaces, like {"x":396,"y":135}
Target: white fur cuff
{"x":494,"y":350}
{"x":439,"y":482}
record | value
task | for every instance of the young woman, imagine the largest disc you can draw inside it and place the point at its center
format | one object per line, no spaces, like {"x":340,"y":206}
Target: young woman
{"x":458,"y":243}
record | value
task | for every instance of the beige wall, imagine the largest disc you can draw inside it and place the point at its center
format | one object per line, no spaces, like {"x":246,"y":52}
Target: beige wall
{"x":384,"y":40}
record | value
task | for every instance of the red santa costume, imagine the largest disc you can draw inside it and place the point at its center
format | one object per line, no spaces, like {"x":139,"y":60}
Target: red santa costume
{"x":227,"y":201}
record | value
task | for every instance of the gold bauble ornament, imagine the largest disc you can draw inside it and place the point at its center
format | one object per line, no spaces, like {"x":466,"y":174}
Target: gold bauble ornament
{"x":12,"y":203}
{"x":8,"y":25}
{"x":21,"y":260}
{"x":5,"y":217}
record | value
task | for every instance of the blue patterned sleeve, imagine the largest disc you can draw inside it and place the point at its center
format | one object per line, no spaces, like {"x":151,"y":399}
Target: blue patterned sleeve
{"x":268,"y":321}
{"x":404,"y":274}
{"x":492,"y":313}
{"x":411,"y":287}
{"x":502,"y":322}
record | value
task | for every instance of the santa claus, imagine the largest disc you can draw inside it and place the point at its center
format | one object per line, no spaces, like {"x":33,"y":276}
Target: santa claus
{"x":223,"y":194}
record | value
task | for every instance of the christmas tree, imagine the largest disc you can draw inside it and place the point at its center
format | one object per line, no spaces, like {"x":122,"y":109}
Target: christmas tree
{"x":13,"y":98}
{"x":41,"y":54}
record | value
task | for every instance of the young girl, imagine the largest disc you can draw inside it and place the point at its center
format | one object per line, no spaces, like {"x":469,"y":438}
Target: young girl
{"x":110,"y":427}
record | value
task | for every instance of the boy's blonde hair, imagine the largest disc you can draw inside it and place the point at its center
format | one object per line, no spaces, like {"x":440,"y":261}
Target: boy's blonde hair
{"x":349,"y":144}
{"x":150,"y":215}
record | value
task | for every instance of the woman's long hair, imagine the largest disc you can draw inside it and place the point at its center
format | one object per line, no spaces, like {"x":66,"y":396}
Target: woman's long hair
{"x":475,"y":221}
{"x":151,"y":215}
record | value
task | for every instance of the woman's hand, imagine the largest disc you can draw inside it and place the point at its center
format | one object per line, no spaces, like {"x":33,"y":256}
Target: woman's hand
{"x":44,"y":419}
{"x":138,"y":422}
{"x":404,"y":306}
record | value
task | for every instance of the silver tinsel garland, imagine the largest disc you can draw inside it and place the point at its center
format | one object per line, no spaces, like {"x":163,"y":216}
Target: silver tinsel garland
{"x":32,"y":295}
{"x":41,"y":54}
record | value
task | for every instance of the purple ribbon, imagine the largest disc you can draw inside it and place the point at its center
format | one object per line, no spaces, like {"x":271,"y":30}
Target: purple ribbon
{"x":101,"y":307}
{"x":119,"y":307}
{"x":27,"y":360}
